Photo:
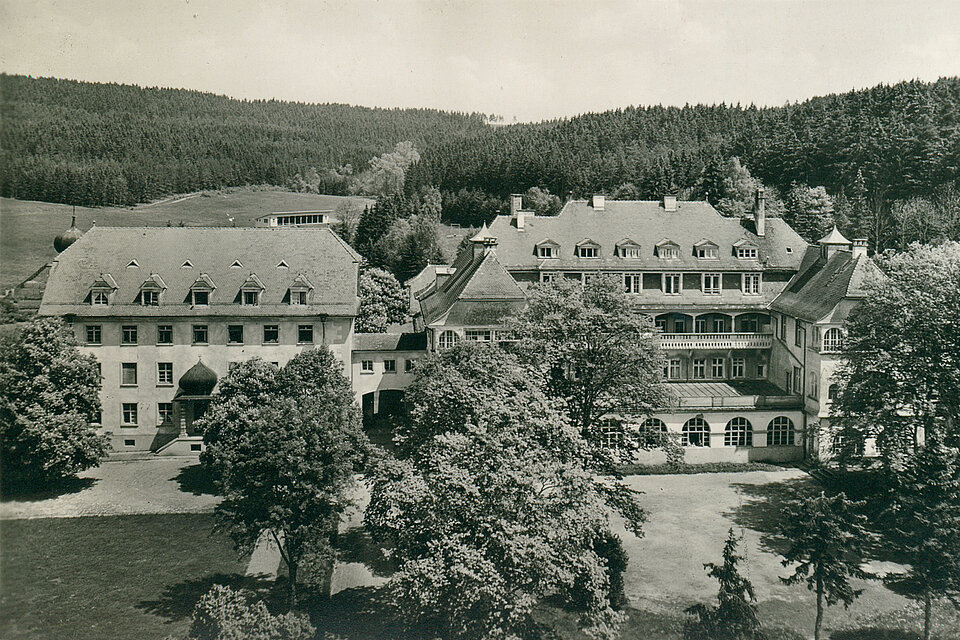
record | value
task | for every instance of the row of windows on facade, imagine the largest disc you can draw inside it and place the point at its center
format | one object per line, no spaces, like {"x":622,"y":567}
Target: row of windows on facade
{"x":672,"y":370}
{"x":670,"y":283}
{"x":708,"y":323}
{"x":198,"y":298}
{"x":830,"y":341}
{"x":696,"y":433}
{"x":448,"y":339}
{"x":389,"y":366}
{"x":130,"y":334}
{"x":666,"y":250}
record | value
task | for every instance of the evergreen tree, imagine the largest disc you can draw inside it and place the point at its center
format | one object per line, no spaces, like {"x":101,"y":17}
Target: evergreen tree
{"x":735,"y":616}
{"x":809,"y":210}
{"x":826,"y":536}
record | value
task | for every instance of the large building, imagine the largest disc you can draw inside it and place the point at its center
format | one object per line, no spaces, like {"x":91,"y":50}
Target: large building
{"x":723,"y":291}
{"x":750,"y":316}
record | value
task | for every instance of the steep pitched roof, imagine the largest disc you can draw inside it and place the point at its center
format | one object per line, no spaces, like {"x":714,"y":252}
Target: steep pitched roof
{"x":390,"y":342}
{"x":318,"y":253}
{"x":480,"y":282}
{"x":822,"y":284}
{"x":646,"y":222}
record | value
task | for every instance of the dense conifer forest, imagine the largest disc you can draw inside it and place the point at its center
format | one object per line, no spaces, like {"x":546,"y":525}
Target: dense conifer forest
{"x":887,"y":156}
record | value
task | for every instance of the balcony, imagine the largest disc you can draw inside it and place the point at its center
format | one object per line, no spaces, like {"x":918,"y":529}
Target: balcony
{"x":680,"y":341}
{"x":730,"y":395}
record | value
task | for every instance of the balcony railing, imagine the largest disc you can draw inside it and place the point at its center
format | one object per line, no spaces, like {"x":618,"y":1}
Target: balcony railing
{"x":716,"y":340}
{"x":717,"y":402}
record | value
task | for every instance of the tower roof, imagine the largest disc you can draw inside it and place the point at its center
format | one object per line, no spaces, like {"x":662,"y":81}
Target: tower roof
{"x":834,"y":237}
{"x":68,"y":237}
{"x":199,"y":380}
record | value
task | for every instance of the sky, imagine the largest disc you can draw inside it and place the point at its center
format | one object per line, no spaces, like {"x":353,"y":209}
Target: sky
{"x":525,"y":60}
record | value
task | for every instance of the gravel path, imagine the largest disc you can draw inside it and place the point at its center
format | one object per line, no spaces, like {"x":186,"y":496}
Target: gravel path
{"x":155,"y":485}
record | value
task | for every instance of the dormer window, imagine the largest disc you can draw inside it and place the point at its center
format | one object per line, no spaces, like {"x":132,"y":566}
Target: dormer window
{"x":300,"y":290}
{"x":251,"y":298}
{"x":745,"y":250}
{"x":548,"y":249}
{"x":101,"y":289}
{"x":668,"y":250}
{"x":627,"y":248}
{"x":298,"y":297}
{"x":151,"y":289}
{"x":706,"y":250}
{"x":99,"y":298}
{"x":200,"y":298}
{"x":250,"y":291}
{"x":200,"y":291}
{"x":588,"y":249}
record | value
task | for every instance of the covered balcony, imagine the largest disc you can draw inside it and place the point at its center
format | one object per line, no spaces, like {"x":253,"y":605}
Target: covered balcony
{"x":714,"y":330}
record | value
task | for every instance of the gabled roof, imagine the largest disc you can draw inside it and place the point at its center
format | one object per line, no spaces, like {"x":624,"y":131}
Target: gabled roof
{"x":390,"y":342}
{"x":547,"y":241}
{"x":587,"y":242}
{"x":479,"y":283}
{"x":745,"y":242}
{"x":301,"y":281}
{"x":703,"y":242}
{"x":252,"y":282}
{"x":691,"y":222}
{"x":627,"y":242}
{"x":104,"y":281}
{"x":666,"y":242}
{"x":821,"y":284}
{"x":154,"y":281}
{"x":316,"y":252}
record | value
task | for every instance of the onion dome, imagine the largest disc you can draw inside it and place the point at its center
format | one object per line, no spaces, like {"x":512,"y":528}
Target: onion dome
{"x":199,"y":380}
{"x":68,"y":237}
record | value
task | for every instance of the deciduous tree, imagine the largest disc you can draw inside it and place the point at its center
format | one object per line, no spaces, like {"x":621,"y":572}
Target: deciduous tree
{"x":284,"y":454}
{"x":49,"y":396}
{"x":383,"y":301}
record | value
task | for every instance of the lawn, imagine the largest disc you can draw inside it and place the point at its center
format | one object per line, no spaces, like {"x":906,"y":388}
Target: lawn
{"x":114,"y":577}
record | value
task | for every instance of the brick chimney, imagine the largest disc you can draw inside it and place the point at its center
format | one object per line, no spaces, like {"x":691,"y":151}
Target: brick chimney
{"x":859,"y":248}
{"x":599,"y":202}
{"x":670,"y":203}
{"x":760,"y":213}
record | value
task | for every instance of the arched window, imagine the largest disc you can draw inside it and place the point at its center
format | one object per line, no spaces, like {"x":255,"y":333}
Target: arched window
{"x":780,"y":431}
{"x":652,"y":432}
{"x":447,"y":340}
{"x":832,"y":340}
{"x":738,"y":433}
{"x":832,"y":392}
{"x":611,"y":434}
{"x":695,"y":433}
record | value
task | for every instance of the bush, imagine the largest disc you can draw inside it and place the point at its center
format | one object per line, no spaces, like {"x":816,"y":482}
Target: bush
{"x":706,"y":467}
{"x":225,"y":614}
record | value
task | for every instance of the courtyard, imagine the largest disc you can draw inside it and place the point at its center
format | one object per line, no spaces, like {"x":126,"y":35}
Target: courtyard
{"x":128,"y":551}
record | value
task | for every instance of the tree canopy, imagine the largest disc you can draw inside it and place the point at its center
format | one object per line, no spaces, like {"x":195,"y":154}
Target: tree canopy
{"x":383,"y":301}
{"x":49,"y":396}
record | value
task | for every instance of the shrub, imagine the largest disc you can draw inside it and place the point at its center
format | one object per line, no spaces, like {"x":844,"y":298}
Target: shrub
{"x":225,"y":614}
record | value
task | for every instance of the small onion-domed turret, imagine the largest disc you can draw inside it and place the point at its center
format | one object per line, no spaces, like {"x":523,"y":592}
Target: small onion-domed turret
{"x":68,"y":237}
{"x":199,"y":380}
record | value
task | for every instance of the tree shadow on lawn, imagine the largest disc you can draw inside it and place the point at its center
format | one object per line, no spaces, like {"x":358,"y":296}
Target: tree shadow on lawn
{"x":359,"y":613}
{"x":178,"y":600}
{"x":356,"y":545}
{"x":761,"y":508}
{"x":34,"y":493}
{"x":194,"y":479}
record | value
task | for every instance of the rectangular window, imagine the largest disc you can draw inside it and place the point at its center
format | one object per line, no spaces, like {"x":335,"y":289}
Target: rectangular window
{"x":668,"y":252}
{"x":234,"y":334}
{"x":761,"y":370}
{"x":128,"y":374}
{"x":699,"y":368}
{"x":165,"y":373}
{"x":679,"y":325}
{"x":718,"y":325}
{"x":164,"y":412}
{"x":671,"y":284}
{"x":408,"y":365}
{"x":716,"y":368}
{"x":747,"y":253}
{"x":164,"y":334}
{"x":812,"y":390}
{"x":588,"y":252}
{"x":707,"y":252}
{"x":711,"y":284}
{"x":128,"y":334}
{"x":798,"y":333}
{"x":629,"y":252}
{"x":797,"y":379}
{"x":737,"y":367}
{"x":94,"y":334}
{"x":201,"y":298}
{"x":545,"y":252}
{"x":701,"y":325}
{"x":150,"y":298}
{"x":128,"y":411}
{"x":751,"y":284}
{"x":200,"y":334}
{"x":271,"y":334}
{"x":661,"y":324}
{"x":632,"y":282}
{"x":129,"y":442}
{"x":783,"y":328}
{"x":749,"y":324}
{"x":389,"y":366}
{"x":546,"y":277}
{"x":305,"y":334}
{"x":674,"y":372}
{"x":251,"y":298}
{"x":366,"y":366}
{"x":478,"y":335}
{"x":298,"y":297}
{"x":99,"y":298}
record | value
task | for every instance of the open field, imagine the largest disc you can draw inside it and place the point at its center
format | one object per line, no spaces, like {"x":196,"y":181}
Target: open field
{"x":138,"y":576}
{"x":27,"y":229}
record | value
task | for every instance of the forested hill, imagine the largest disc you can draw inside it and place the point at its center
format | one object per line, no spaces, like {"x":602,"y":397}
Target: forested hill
{"x":904,"y":138}
{"x":92,"y":144}
{"x":84,"y":143}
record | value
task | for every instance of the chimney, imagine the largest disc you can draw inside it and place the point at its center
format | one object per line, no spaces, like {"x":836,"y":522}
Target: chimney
{"x":670,"y":203}
{"x":599,"y":202}
{"x":859,"y":248}
{"x":516,"y":210}
{"x":760,"y":213}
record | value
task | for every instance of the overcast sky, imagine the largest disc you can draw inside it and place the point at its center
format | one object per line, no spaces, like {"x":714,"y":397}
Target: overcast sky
{"x":527,"y":60}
